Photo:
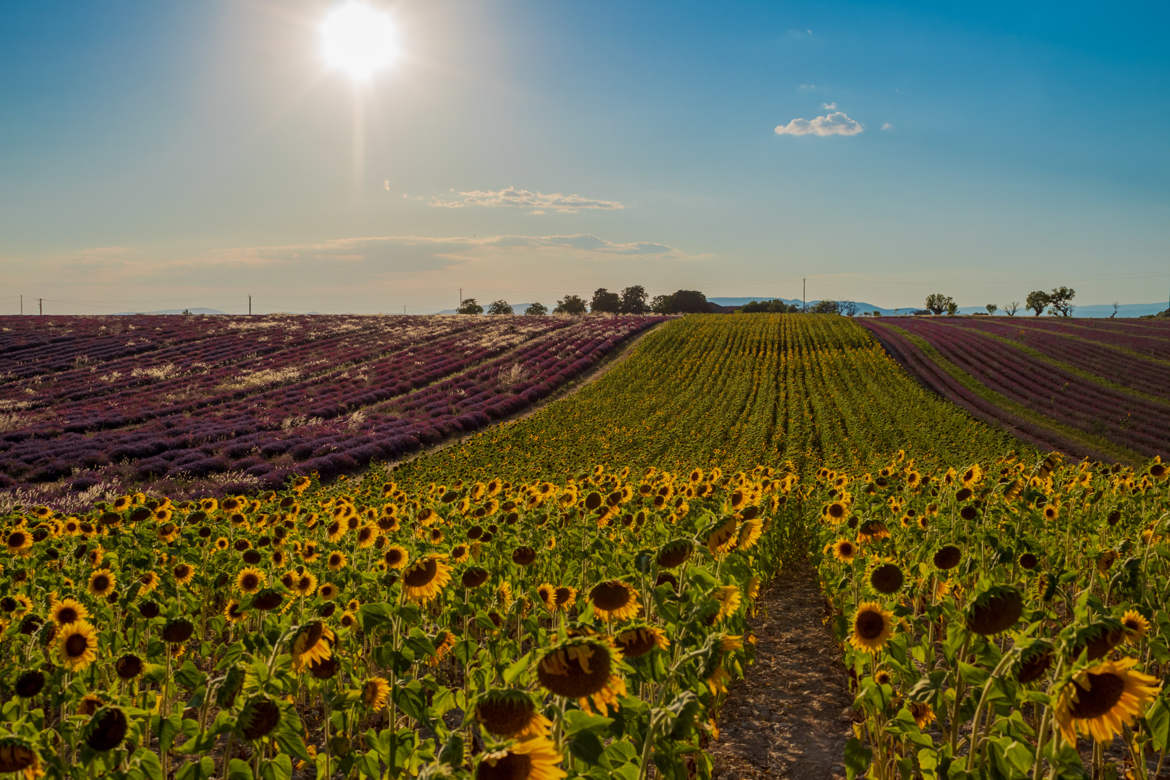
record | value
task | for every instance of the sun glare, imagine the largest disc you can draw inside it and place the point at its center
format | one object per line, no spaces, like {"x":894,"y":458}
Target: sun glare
{"x":358,"y":39}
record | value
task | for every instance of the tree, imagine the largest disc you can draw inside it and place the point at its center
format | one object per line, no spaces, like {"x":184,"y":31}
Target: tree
{"x":689,"y":302}
{"x":849,"y":308}
{"x":952,"y":308}
{"x":605,"y":302}
{"x":991,"y":309}
{"x":1060,"y":300}
{"x":536,"y":310}
{"x":500,"y":307}
{"x":1037,"y":301}
{"x":469,"y":306}
{"x":825,"y":307}
{"x":1012,"y":308}
{"x":634,"y":300}
{"x":772,"y":306}
{"x":937,"y":303}
{"x":570,"y":304}
{"x":1116,"y":306}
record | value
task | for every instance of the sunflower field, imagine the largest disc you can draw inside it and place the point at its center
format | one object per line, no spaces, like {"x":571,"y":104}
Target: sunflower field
{"x":1001,"y":621}
{"x":513,"y":630}
{"x":571,"y":594}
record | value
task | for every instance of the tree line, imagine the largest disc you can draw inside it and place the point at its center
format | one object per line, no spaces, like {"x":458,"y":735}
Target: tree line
{"x":1057,"y":301}
{"x":631,"y":300}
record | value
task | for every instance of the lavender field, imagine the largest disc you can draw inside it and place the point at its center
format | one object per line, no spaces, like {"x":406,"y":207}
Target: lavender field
{"x":1096,"y":388}
{"x":195,"y":404}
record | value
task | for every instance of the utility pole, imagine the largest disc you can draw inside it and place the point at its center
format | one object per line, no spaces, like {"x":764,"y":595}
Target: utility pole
{"x":249,"y":305}
{"x":40,"y":305}
{"x":22,"y":304}
{"x":804,"y":294}
{"x":460,"y":299}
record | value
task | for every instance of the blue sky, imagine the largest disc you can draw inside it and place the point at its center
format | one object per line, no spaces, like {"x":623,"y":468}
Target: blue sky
{"x":168,"y":154}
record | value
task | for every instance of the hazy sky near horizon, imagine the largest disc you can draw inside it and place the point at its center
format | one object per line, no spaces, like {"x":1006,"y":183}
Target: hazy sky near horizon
{"x":172,"y":154}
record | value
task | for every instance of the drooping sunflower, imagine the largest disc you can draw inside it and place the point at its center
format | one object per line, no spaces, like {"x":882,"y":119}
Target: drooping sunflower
{"x":424,"y":578}
{"x":637,"y":641}
{"x":67,"y":611}
{"x":722,"y":537}
{"x":873,"y":625}
{"x":886,"y":578}
{"x":102,"y":582}
{"x":947,"y":557}
{"x":582,"y":668}
{"x":106,"y":729}
{"x":77,"y":645}
{"x":530,"y":759}
{"x":375,"y":692}
{"x":510,"y":714}
{"x":129,"y":666}
{"x":1135,"y":624}
{"x":312,"y":643}
{"x":729,"y":599}
{"x":234,"y":611}
{"x":250,"y":580}
{"x":995,"y":610}
{"x":19,"y":755}
{"x":922,"y":713}
{"x":614,"y":600}
{"x":259,"y":717}
{"x":1101,"y":700}
{"x":674,"y":553}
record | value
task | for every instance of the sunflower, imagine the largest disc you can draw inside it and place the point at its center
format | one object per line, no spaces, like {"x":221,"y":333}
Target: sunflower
{"x":637,"y":641}
{"x":183,"y":573}
{"x":102,"y":582}
{"x":582,"y":668}
{"x":947,"y":557}
{"x":67,"y":611}
{"x":530,"y":759}
{"x":259,"y":717}
{"x":77,"y":645}
{"x":327,"y":591}
{"x":886,"y":578}
{"x":922,"y":713}
{"x":424,"y":578}
{"x":510,"y":714}
{"x":250,"y":580}
{"x":614,"y":600}
{"x":305,"y":584}
{"x":106,"y":729}
{"x":872,"y":627}
{"x":375,"y":692}
{"x":311,"y":644}
{"x":29,"y":683}
{"x":674,"y":553}
{"x":995,"y":610}
{"x":1103,"y":699}
{"x":883,"y":677}
{"x":721,"y":538}
{"x":336,"y":560}
{"x":19,"y":541}
{"x":836,"y":512}
{"x":395,"y":557}
{"x":844,"y":550}
{"x":729,"y":599}
{"x":1135,"y":624}
{"x":18,"y":755}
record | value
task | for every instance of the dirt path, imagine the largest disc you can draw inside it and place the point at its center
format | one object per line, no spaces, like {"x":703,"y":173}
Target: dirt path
{"x":790,"y":716}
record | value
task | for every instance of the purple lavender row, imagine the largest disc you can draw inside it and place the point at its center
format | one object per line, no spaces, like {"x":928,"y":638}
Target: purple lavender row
{"x":1059,"y":395}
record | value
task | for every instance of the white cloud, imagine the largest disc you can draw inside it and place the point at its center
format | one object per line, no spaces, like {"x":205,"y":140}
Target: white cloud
{"x":538,"y":202}
{"x":887,"y":126}
{"x":807,"y":87}
{"x":829,"y":106}
{"x":833,"y":123}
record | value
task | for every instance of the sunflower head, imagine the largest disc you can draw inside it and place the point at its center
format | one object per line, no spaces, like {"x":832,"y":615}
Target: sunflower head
{"x":425,"y":578}
{"x":535,"y":758}
{"x":614,"y":600}
{"x":886,"y":578}
{"x":259,"y":716}
{"x":375,"y":692}
{"x":1135,"y":624}
{"x":77,"y":645}
{"x":1102,"y":699}
{"x":637,"y":641}
{"x":510,"y":713}
{"x":995,"y":610}
{"x":873,"y":625}
{"x":106,"y":729}
{"x":576,"y":668}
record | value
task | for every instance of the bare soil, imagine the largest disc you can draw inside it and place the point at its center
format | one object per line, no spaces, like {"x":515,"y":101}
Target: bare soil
{"x":790,"y":716}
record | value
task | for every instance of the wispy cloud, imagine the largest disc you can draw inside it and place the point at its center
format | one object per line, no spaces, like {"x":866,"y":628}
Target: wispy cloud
{"x":829,"y":106}
{"x":832,"y":123}
{"x":537,"y":202}
{"x":887,"y":126}
{"x":800,"y":33}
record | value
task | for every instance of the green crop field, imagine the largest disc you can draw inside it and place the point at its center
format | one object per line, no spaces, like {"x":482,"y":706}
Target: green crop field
{"x":572,"y":593}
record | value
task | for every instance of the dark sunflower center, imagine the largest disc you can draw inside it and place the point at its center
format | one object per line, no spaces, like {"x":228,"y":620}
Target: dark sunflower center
{"x":66,"y":615}
{"x":16,"y":539}
{"x":610,"y":596}
{"x":504,"y":717}
{"x":101,"y":583}
{"x":250,"y":581}
{"x":870,"y":624}
{"x":513,"y":766}
{"x":636,"y":642}
{"x":846,"y":549}
{"x":563,"y":595}
{"x":421,"y":573}
{"x":1103,"y":693}
{"x":565,"y":675}
{"x":76,"y":645}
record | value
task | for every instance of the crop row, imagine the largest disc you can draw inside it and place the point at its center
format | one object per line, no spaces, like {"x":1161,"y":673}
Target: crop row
{"x":326,"y":410}
{"x":1055,"y":397}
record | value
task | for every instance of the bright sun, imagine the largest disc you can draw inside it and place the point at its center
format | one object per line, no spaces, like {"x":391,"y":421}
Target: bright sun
{"x":358,"y":39}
